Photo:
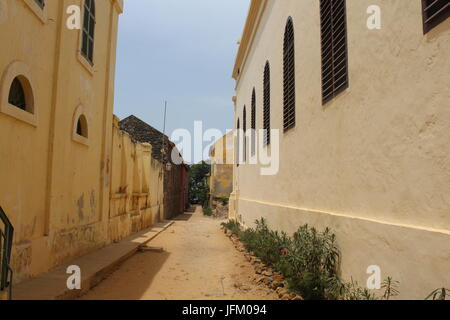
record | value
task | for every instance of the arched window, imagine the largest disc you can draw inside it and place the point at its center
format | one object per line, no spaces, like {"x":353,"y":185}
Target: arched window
{"x":253,"y":122}
{"x":17,"y":95}
{"x":289,"y":77}
{"x":87,"y":45}
{"x":244,"y":127}
{"x":82,"y":127}
{"x":266,"y":111}
{"x":238,"y":137}
{"x":333,"y":25}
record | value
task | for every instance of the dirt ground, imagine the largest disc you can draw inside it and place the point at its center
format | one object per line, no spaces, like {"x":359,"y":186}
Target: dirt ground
{"x":198,"y":263}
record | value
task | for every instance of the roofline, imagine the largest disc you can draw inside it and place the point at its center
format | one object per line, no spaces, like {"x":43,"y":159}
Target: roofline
{"x":255,"y":12}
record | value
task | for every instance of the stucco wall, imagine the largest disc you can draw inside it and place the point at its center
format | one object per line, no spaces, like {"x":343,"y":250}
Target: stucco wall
{"x":374,"y":163}
{"x":55,"y":186}
{"x":221,"y":156}
{"x":136,"y":186}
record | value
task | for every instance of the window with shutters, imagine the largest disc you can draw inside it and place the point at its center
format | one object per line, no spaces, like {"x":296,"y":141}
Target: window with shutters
{"x":253,"y":122}
{"x":434,"y":12}
{"x":238,"y":137}
{"x":289,"y":76}
{"x":334,"y":48}
{"x":87,"y":44}
{"x":244,"y":129}
{"x":266,"y":108}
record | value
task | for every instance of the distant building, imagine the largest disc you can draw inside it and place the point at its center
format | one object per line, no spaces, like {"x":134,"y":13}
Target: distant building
{"x":364,"y":131}
{"x":221,"y":156}
{"x":175,"y":175}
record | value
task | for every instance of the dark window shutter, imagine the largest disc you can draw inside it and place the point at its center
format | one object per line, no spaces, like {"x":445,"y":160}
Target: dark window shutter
{"x":434,"y":12}
{"x":244,"y":129}
{"x":266,"y":111}
{"x":334,"y":48}
{"x":253,"y":122}
{"x":289,"y":77}
{"x":238,"y":127}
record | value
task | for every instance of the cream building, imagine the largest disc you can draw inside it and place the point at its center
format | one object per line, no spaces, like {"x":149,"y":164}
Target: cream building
{"x":56,"y":115}
{"x":363,"y":136}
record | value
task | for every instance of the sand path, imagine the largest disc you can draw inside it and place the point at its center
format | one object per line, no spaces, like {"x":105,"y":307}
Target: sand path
{"x":198,"y":263}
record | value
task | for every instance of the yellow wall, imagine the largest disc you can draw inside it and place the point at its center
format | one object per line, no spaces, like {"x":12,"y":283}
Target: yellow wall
{"x":221,"y":180}
{"x":55,"y":185}
{"x":374,"y":163}
{"x":136,"y":186}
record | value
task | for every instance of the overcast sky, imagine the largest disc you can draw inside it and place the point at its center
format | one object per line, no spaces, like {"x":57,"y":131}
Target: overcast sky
{"x":182,"y":51}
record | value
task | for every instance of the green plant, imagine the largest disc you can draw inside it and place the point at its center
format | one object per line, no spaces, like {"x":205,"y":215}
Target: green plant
{"x":265,"y":243}
{"x":439,"y":294}
{"x":198,"y":187}
{"x":207,"y":211}
{"x":308,"y":260}
{"x":352,"y":291}
{"x":233,"y":226}
{"x":224,"y":200}
{"x":390,"y":288}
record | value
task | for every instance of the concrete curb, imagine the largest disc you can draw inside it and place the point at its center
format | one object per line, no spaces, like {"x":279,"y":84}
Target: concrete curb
{"x":95,"y":267}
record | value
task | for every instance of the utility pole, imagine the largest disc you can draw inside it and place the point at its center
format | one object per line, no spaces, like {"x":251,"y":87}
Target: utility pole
{"x":164,"y":132}
{"x":163,"y":169}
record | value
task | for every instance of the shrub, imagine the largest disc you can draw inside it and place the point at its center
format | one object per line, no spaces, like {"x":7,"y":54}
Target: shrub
{"x":207,"y":211}
{"x":224,"y":200}
{"x":265,"y":243}
{"x":233,"y":226}
{"x":308,"y":260}
{"x":438,"y":294}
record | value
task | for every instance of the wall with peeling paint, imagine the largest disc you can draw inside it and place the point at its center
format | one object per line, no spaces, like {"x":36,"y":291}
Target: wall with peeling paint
{"x":56,"y":187}
{"x":136,"y":186}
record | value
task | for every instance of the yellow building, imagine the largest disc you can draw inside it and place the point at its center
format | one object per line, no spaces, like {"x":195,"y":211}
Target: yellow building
{"x":221,"y":179}
{"x":56,"y":109}
{"x":363,"y":136}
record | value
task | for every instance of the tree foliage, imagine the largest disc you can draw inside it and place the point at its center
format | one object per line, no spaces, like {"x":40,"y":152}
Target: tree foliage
{"x":198,"y":187}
